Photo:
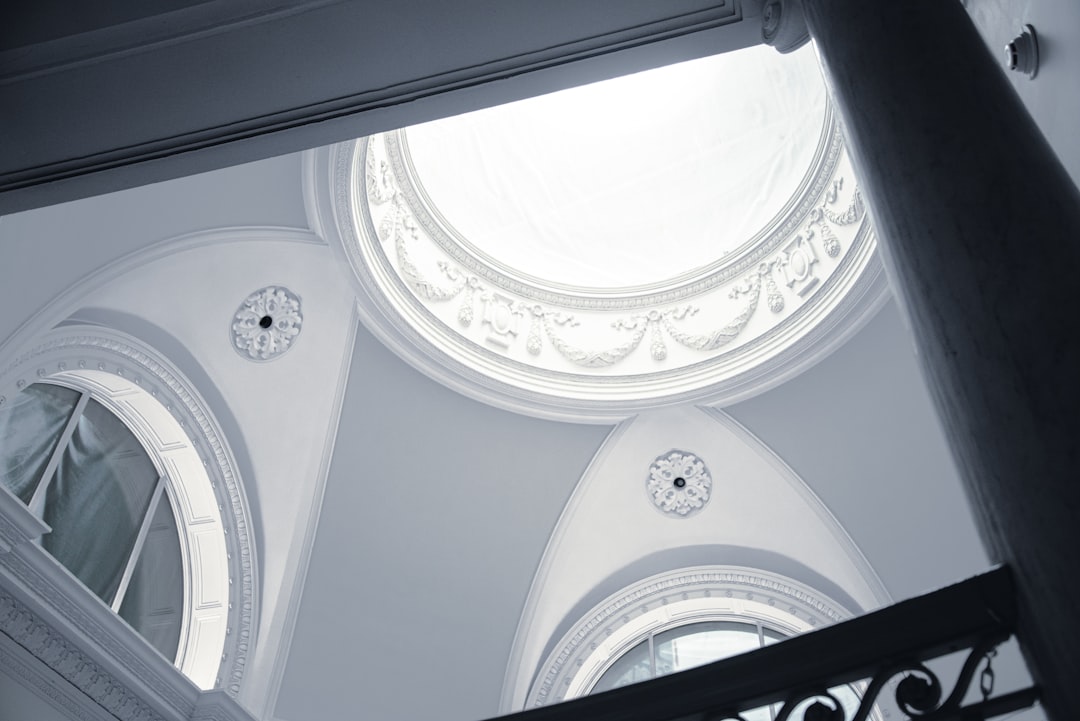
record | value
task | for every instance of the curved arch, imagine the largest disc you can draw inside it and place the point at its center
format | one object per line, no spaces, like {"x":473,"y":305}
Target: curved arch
{"x":663,"y":560}
{"x":669,"y":600}
{"x":169,"y":417}
{"x":610,"y":535}
{"x":71,"y":300}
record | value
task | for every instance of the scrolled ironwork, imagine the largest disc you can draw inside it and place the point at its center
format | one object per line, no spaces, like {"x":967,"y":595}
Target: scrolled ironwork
{"x":918,"y":694}
{"x":803,"y":673}
{"x":817,"y":711}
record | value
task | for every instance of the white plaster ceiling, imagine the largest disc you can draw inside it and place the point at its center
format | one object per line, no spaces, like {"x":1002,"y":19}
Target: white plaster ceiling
{"x":438,"y":509}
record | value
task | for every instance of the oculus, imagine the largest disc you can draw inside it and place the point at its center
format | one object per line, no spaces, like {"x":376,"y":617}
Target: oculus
{"x":692,"y":233}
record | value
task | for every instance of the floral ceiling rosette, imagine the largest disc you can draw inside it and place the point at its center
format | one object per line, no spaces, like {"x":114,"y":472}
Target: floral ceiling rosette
{"x":692,"y":233}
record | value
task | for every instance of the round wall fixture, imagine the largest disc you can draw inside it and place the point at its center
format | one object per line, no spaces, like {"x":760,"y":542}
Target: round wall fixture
{"x":266,"y":323}
{"x":591,"y":253}
{"x":1022,"y":53}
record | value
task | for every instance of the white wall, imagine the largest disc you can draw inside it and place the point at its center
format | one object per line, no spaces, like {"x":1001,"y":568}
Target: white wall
{"x":1053,"y":96}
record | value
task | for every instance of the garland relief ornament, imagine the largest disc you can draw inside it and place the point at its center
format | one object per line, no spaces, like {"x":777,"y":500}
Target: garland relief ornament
{"x":505,"y":316}
{"x":679,"y":484}
{"x":267,"y":323}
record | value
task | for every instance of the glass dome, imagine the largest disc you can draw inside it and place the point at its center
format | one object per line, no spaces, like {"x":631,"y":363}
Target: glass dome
{"x":589,"y":253}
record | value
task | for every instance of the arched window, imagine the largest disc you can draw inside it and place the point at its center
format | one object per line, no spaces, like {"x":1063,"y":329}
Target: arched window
{"x":106,"y":442}
{"x":695,"y":644}
{"x":80,"y":469}
{"x":684,"y":618}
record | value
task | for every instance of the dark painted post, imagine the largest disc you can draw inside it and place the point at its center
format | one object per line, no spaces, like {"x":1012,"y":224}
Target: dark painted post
{"x":980,"y":226}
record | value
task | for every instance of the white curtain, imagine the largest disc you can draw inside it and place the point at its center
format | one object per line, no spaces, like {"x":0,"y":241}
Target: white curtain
{"x":97,"y":500}
{"x":30,"y":426}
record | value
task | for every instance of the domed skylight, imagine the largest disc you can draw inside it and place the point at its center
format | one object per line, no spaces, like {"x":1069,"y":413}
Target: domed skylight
{"x":594,"y":186}
{"x":691,"y":233}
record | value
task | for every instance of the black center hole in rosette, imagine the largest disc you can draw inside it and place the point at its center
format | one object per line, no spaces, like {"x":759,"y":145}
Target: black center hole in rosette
{"x":679,"y":482}
{"x":266,"y":321}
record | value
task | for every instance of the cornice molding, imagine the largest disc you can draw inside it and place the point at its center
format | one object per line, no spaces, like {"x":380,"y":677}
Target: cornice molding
{"x":86,"y":681}
{"x":75,"y":635}
{"x":31,"y":674}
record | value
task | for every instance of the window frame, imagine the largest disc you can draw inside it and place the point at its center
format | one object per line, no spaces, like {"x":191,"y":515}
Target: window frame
{"x":169,"y":417}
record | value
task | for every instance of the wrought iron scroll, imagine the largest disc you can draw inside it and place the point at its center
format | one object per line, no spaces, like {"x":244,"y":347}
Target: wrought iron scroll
{"x":918,"y":694}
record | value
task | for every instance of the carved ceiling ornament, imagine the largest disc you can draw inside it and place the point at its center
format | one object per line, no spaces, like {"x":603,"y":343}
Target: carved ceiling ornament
{"x":717,"y":334}
{"x":679,"y":484}
{"x":266,"y":323}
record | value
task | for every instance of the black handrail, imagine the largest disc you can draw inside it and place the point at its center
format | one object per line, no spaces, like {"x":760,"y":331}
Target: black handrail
{"x":976,"y":614}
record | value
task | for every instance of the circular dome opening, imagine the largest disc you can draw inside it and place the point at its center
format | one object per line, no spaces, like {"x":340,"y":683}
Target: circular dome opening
{"x":632,"y":181}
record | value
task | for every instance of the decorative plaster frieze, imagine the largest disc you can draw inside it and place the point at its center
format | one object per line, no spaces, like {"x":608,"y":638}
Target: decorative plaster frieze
{"x":267,"y":323}
{"x":72,"y":349}
{"x":61,"y":655}
{"x":504,"y":304}
{"x":19,"y":664}
{"x":679,"y":484}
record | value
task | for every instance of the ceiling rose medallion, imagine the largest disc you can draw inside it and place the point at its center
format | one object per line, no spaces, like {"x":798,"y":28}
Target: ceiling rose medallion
{"x":266,"y":323}
{"x":679,"y":484}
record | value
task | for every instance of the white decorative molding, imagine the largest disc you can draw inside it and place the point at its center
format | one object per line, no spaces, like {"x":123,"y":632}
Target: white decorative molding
{"x":558,"y":591}
{"x":217,"y":705}
{"x":669,"y":600}
{"x":266,"y":323}
{"x":81,"y":680}
{"x":138,"y":385}
{"x":718,"y":335}
{"x":66,"y":658}
{"x":679,"y":484}
{"x":32,"y":674}
{"x":17,"y":524}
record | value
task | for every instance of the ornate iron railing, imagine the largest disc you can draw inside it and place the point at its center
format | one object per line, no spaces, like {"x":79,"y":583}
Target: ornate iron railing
{"x":794,"y":676}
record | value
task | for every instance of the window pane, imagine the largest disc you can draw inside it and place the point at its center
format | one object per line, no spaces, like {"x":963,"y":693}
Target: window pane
{"x":700,"y":643}
{"x":154,"y":600}
{"x":97,"y":499}
{"x":30,"y":426}
{"x":632,"y":667}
